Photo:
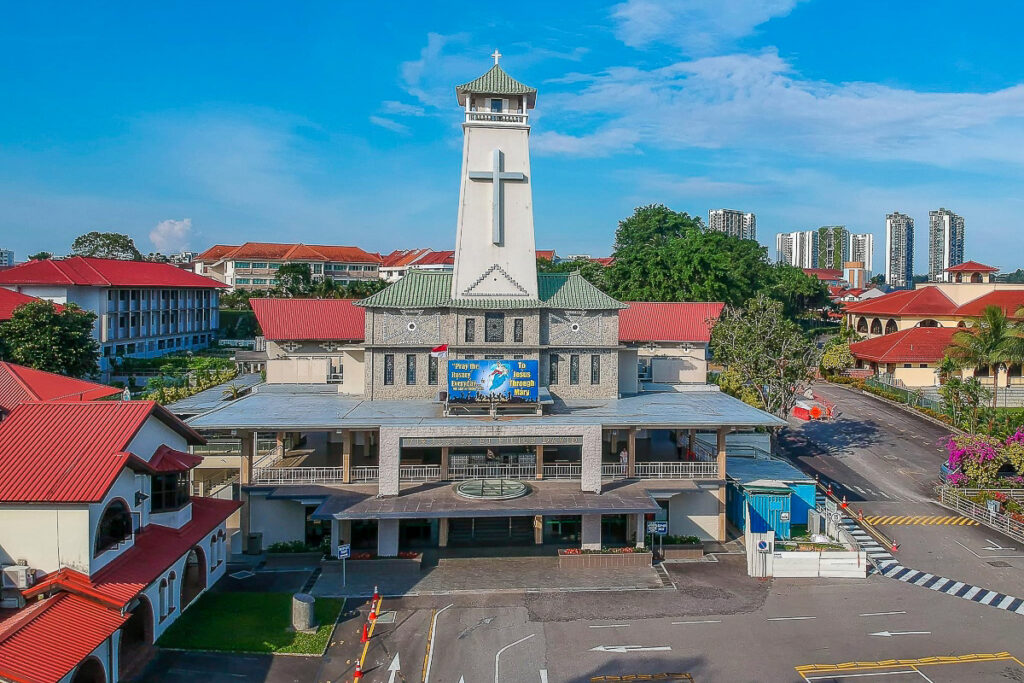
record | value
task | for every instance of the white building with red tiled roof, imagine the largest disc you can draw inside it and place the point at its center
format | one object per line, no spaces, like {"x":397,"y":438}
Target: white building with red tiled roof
{"x":101,"y":546}
{"x":254,"y":265}
{"x":143,"y":309}
{"x":398,"y":263}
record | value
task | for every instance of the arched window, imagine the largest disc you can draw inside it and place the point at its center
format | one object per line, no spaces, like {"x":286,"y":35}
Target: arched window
{"x":862,"y":325}
{"x":115,"y":526}
{"x":171,"y":578}
{"x":929,"y":323}
{"x":891,"y":326}
{"x":876,"y":326}
{"x":162,"y":594}
{"x":961,"y":324}
{"x":976,"y":277}
{"x":959,"y":277}
{"x":213,"y":554}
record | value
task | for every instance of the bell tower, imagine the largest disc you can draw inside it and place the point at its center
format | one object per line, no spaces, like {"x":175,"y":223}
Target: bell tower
{"x":495,"y":252}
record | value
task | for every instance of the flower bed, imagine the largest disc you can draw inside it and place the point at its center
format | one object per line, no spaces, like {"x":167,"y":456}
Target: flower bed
{"x":982,"y":461}
{"x":1012,"y":508}
{"x":577,"y":558}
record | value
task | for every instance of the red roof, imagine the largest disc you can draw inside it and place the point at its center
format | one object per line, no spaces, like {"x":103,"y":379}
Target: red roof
{"x":45,"y":641}
{"x":605,"y":261}
{"x":65,"y":452}
{"x":546,"y":254}
{"x":436,"y":258}
{"x":309,"y":319}
{"x":677,"y":322}
{"x":10,"y":300}
{"x":19,"y":384}
{"x":921,"y":301}
{"x":916,"y":345}
{"x":166,"y":459}
{"x":824,"y":273}
{"x":101,"y":272}
{"x":971,"y":267}
{"x":155,"y":549}
{"x":286,"y":252}
{"x":1010,"y":300}
{"x":402,"y":257}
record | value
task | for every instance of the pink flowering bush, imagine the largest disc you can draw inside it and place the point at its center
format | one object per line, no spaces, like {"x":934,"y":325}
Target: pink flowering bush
{"x":978,"y":459}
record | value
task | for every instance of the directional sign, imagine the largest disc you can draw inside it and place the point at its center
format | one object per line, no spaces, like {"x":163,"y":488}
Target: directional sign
{"x":890,"y":634}
{"x":344,"y":551}
{"x":657,"y":528}
{"x":393,"y":669}
{"x":623,"y":649}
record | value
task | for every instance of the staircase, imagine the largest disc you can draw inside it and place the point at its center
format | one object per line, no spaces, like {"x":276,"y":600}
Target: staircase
{"x":490,"y":531}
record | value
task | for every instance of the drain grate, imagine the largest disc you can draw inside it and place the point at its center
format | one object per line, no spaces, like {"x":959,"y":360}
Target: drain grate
{"x":244,"y":574}
{"x":386,"y":617}
{"x":1000,"y":563}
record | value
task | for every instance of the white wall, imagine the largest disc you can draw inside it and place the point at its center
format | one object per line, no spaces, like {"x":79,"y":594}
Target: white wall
{"x":629,"y":381}
{"x":127,"y":484}
{"x":47,"y":537}
{"x":153,"y":434}
{"x":103,"y":654}
{"x":58,"y":295}
{"x":694,"y":513}
{"x":279,"y":520}
{"x":300,"y":370}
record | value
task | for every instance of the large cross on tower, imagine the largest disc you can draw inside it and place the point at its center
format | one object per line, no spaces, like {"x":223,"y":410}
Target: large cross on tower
{"x":496,"y":175}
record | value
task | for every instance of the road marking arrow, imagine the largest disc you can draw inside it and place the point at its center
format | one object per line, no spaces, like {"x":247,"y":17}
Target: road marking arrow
{"x":890,"y":634}
{"x":393,"y":669}
{"x":623,"y":649}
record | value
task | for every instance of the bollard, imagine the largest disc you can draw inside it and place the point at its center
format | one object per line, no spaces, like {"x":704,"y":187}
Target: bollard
{"x":303,"y":612}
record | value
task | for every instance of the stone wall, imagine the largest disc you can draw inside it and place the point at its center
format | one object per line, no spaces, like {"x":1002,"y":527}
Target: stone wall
{"x":565,"y":389}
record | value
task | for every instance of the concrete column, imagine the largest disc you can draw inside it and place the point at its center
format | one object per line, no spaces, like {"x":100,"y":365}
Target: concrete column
{"x":538,"y":529}
{"x":442,"y":532}
{"x":692,"y":447}
{"x":591,"y":532}
{"x":721,"y":512}
{"x":335,"y":537}
{"x":346,"y":456}
{"x":722,"y":431}
{"x":244,"y":480}
{"x":540,"y":462}
{"x":387,"y":538}
{"x":345,"y":530}
{"x":388,"y":462}
{"x":444,"y":474}
{"x":641,"y":530}
{"x":590,"y":478}
{"x":631,"y":463}
{"x":280,"y":443}
{"x":613,"y":442}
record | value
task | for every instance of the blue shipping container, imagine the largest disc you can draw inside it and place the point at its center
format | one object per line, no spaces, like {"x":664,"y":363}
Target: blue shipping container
{"x":769,"y":509}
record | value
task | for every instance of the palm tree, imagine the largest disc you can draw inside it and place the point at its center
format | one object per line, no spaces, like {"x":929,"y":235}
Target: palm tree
{"x":991,"y":341}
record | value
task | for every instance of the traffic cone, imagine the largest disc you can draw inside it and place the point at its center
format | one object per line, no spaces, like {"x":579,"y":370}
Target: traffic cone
{"x":860,"y":514}
{"x":376,"y":594}
{"x":894,"y":546}
{"x":829,"y":491}
{"x":844,"y":505}
{"x":373,"y":612}
{"x":365,"y":637}
{"x":358,"y":675}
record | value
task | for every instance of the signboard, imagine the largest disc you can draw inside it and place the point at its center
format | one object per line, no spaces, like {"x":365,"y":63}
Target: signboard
{"x":489,"y":381}
{"x":763,"y":547}
{"x":344,"y":551}
{"x":784,"y":516}
{"x":657,"y":528}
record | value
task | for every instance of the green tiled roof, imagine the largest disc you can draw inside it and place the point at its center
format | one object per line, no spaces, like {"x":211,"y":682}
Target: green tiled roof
{"x":495,"y":82}
{"x":421,"y":289}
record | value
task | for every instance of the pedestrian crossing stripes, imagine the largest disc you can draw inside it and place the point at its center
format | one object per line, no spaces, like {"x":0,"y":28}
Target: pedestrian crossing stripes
{"x":887,"y":566}
{"x":923,"y":520}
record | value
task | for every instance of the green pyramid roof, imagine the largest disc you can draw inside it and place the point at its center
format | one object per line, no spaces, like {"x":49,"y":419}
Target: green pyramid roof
{"x":420,"y":289}
{"x":496,"y":82}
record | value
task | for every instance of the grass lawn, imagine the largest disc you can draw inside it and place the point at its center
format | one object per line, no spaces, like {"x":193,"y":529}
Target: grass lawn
{"x":249,"y":622}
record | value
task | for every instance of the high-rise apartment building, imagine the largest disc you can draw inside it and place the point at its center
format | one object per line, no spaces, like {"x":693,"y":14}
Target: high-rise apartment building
{"x":862,"y":248}
{"x":799,"y":249}
{"x":6,"y":258}
{"x":899,"y":250}
{"x":833,"y":246}
{"x":945,"y":243}
{"x":734,"y":223}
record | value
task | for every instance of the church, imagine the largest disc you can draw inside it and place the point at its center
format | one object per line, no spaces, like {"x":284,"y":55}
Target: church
{"x":489,"y":405}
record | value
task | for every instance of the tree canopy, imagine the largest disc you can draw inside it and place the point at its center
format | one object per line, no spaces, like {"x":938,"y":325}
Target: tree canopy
{"x":40,"y":336}
{"x":295,"y":279}
{"x":992,"y":340}
{"x":106,"y":245}
{"x":40,"y":256}
{"x":594,"y":272}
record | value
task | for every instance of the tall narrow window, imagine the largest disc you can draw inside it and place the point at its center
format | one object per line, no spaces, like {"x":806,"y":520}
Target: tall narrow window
{"x":410,"y":368}
{"x":595,"y":369}
{"x":389,"y":368}
{"x":553,"y":369}
{"x":517,"y":330}
{"x":494,"y":327}
{"x":496,"y":106}
{"x":574,"y":369}
{"x":432,"y":370}
{"x":470,"y":329}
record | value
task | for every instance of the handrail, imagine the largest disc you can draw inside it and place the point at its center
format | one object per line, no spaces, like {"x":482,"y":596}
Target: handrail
{"x":999,"y":521}
{"x":676,"y":470}
{"x":461,"y":472}
{"x":419,"y":472}
{"x":564,"y":471}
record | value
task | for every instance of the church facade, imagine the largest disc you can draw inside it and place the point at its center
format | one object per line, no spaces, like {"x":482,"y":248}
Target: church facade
{"x":394,"y":435}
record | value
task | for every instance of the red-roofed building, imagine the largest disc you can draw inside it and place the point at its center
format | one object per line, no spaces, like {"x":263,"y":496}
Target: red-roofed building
{"x":143,"y":309}
{"x":829,"y":276}
{"x":971,"y":271}
{"x":399,"y":262}
{"x":911,"y":356}
{"x":670,"y":339}
{"x":254,"y":265}
{"x":10,"y":300}
{"x":95,"y":505}
{"x":19,"y":384}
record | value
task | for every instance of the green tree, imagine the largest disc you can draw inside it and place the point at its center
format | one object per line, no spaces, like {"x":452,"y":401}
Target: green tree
{"x":988,"y":343}
{"x":106,"y":245}
{"x":771,"y":354}
{"x":295,"y":279}
{"x":40,"y":336}
{"x":40,"y":256}
{"x":593,"y":272}
{"x":360,"y":289}
{"x":836,"y":358}
{"x":962,"y":400}
{"x":798,"y":291}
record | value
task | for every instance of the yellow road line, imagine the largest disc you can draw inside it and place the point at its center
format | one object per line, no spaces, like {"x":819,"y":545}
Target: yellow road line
{"x":919,"y":520}
{"x":426,"y":652}
{"x":369,"y":636}
{"x":912,"y":663}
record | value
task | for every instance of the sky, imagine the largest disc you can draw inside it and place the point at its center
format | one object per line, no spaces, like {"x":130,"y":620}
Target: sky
{"x":189,"y":124}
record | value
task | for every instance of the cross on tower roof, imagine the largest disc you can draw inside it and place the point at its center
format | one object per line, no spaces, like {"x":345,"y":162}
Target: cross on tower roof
{"x":497,"y":55}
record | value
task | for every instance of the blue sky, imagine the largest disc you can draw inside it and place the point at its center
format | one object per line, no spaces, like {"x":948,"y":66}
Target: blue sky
{"x":334,"y":122}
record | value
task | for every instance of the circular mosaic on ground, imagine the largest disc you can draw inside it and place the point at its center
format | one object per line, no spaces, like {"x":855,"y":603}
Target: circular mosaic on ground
{"x":491,"y":489}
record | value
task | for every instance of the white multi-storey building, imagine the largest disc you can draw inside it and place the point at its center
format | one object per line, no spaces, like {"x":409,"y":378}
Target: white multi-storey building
{"x":734,"y":223}
{"x":862,"y":248}
{"x":945,"y":243}
{"x":899,"y":250}
{"x":254,"y":265}
{"x":799,"y":249}
{"x":6,"y":258}
{"x":143,"y":309}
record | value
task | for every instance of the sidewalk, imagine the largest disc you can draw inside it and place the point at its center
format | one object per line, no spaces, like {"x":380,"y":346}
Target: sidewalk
{"x":484,"y":575}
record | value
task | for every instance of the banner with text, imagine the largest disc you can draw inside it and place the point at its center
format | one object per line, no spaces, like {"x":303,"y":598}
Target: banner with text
{"x":484,"y":381}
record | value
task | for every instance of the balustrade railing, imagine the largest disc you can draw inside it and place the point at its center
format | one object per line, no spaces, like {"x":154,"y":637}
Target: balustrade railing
{"x":676,"y":470}
{"x":496,"y":117}
{"x":563,"y":471}
{"x":364,"y":473}
{"x":612,"y":470}
{"x":461,"y":472}
{"x":298,"y":475}
{"x":419,"y":472}
{"x":1001,"y":521}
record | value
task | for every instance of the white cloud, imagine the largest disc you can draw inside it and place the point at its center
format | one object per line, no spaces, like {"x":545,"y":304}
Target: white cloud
{"x":171,"y":236}
{"x":696,"y":27}
{"x":393,"y":126}
{"x":401,"y":108}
